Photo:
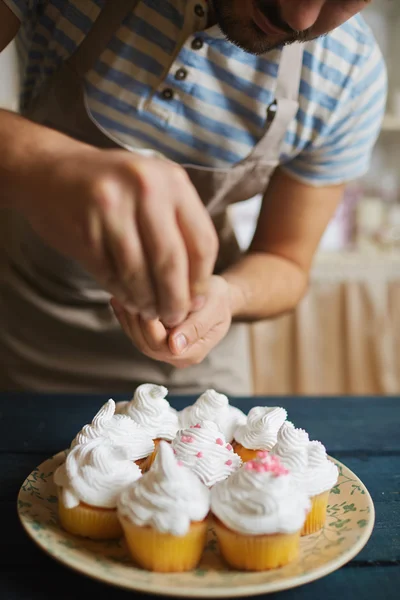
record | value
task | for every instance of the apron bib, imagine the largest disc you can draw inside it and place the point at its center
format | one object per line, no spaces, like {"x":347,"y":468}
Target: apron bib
{"x":58,"y":332}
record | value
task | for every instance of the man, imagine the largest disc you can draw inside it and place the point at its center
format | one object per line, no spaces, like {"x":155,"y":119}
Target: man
{"x":216,"y":101}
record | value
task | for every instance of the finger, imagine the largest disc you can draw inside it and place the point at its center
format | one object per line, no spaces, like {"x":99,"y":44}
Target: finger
{"x":201,"y":241}
{"x":191,"y":331}
{"x":167,"y":259}
{"x":130,"y":324}
{"x":130,"y":272}
{"x":120,"y":314}
{"x":155,"y":335}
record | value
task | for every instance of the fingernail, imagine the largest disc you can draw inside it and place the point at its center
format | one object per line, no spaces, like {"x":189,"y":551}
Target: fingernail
{"x":174,"y":320}
{"x":180,"y":342}
{"x":198,"y":302}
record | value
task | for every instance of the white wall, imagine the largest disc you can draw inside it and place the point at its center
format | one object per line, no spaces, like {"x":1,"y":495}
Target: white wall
{"x":9,"y":82}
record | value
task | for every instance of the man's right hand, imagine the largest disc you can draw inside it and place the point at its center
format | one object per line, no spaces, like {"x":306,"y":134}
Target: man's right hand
{"x":135,"y":223}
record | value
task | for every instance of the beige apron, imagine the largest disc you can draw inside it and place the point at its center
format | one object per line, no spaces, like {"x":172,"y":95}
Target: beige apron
{"x":58,"y":332}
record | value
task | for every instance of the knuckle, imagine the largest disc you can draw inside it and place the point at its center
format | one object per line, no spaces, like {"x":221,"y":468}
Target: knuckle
{"x":180,"y":175}
{"x":140,"y":171}
{"x":196,"y":332}
{"x":167,"y":263}
{"x":202,"y":251}
{"x":103,"y":193}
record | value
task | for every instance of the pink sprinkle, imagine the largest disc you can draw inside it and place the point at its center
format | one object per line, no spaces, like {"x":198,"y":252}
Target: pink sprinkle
{"x":199,"y":455}
{"x":260,"y":468}
{"x":281,"y":471}
{"x":174,"y":451}
{"x":249,"y":466}
{"x":219,"y":442}
{"x":179,"y":463}
{"x":198,"y":426}
{"x":192,"y":427}
{"x":270,"y":464}
{"x":262,"y":454}
{"x":187,"y":438}
{"x":228,"y":462}
{"x":229,"y":447}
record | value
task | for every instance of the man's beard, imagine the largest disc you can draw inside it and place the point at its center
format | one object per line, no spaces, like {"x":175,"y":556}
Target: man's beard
{"x":244,"y":33}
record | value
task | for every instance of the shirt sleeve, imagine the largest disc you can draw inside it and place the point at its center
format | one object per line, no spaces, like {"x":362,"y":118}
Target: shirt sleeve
{"x":342,"y":150}
{"x":18,"y":7}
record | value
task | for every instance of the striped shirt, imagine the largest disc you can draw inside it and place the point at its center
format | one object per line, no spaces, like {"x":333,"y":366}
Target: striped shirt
{"x":169,"y":83}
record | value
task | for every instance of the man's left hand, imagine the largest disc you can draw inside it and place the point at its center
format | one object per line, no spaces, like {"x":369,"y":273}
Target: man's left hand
{"x":190,"y":342}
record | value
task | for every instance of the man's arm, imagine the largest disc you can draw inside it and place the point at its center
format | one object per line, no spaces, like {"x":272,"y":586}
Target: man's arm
{"x":273,"y":275}
{"x":269,"y":280}
{"x":102,"y":208}
{"x":9,"y":25}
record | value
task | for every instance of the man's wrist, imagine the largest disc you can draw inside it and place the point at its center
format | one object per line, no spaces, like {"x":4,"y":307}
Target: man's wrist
{"x":236,"y":294}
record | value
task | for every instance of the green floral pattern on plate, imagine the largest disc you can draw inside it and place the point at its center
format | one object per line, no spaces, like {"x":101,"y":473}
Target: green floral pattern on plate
{"x":348,"y":526}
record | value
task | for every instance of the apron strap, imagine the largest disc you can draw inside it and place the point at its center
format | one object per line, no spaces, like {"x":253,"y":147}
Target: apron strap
{"x":284,"y":107}
{"x":105,"y":26}
{"x":289,"y":73}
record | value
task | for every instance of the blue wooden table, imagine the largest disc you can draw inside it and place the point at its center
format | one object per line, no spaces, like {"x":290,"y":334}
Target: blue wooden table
{"x":364,"y":433}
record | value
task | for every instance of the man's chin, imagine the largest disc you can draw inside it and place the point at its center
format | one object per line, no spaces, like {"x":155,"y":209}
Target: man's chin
{"x":257,"y":44}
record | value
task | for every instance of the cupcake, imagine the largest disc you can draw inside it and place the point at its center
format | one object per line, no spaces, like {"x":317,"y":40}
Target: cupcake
{"x":292,"y":449}
{"x":164,"y":515}
{"x":320,"y":477}
{"x":112,"y":426}
{"x":258,"y":514}
{"x":212,"y":406}
{"x":259,"y":432}
{"x":204,"y":449}
{"x":153,"y":412}
{"x":89,"y":483}
{"x":312,"y":470}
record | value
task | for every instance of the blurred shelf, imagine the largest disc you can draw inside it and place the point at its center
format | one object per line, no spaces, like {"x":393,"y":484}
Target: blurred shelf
{"x":391,"y":123}
{"x":356,"y":265}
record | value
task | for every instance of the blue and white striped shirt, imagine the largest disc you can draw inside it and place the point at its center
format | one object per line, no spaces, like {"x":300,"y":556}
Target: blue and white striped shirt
{"x":168,"y":83}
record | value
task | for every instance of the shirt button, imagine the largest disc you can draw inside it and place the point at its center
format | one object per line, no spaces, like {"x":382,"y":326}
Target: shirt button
{"x":167,"y":94}
{"x":181,"y":74}
{"x":199,"y":10}
{"x":197,"y":43}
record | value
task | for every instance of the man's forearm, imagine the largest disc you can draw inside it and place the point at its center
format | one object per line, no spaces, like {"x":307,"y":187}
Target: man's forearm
{"x":264,"y":285}
{"x":26,"y":152}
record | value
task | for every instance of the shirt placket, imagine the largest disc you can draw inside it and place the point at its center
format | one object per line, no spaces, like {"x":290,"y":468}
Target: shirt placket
{"x":168,"y":90}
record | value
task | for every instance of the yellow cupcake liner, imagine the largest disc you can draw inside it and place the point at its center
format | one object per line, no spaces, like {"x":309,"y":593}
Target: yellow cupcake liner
{"x":316,"y":517}
{"x":90,"y":521}
{"x":245,"y":454}
{"x":163,"y":552}
{"x":257,"y":552}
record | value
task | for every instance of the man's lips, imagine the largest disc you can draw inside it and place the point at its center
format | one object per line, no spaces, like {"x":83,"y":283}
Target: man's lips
{"x":264,"y":23}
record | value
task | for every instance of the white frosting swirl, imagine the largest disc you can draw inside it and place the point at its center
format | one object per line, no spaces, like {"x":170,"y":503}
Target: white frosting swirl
{"x":152,"y":411}
{"x":212,"y":406}
{"x":168,"y":497}
{"x":256,"y":502}
{"x":261,"y":429}
{"x":115,"y":427}
{"x":204,"y":450}
{"x":292,"y":449}
{"x":96,"y":472}
{"x":322,"y":473}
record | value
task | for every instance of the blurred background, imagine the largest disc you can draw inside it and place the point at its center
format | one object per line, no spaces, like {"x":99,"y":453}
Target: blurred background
{"x":344,"y":337}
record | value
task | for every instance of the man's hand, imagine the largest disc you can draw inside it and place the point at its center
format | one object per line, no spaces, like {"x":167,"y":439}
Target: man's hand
{"x":135,"y":223}
{"x":190,"y":342}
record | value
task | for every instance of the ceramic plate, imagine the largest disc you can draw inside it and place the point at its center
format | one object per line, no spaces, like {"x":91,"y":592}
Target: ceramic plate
{"x":349,"y":524}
